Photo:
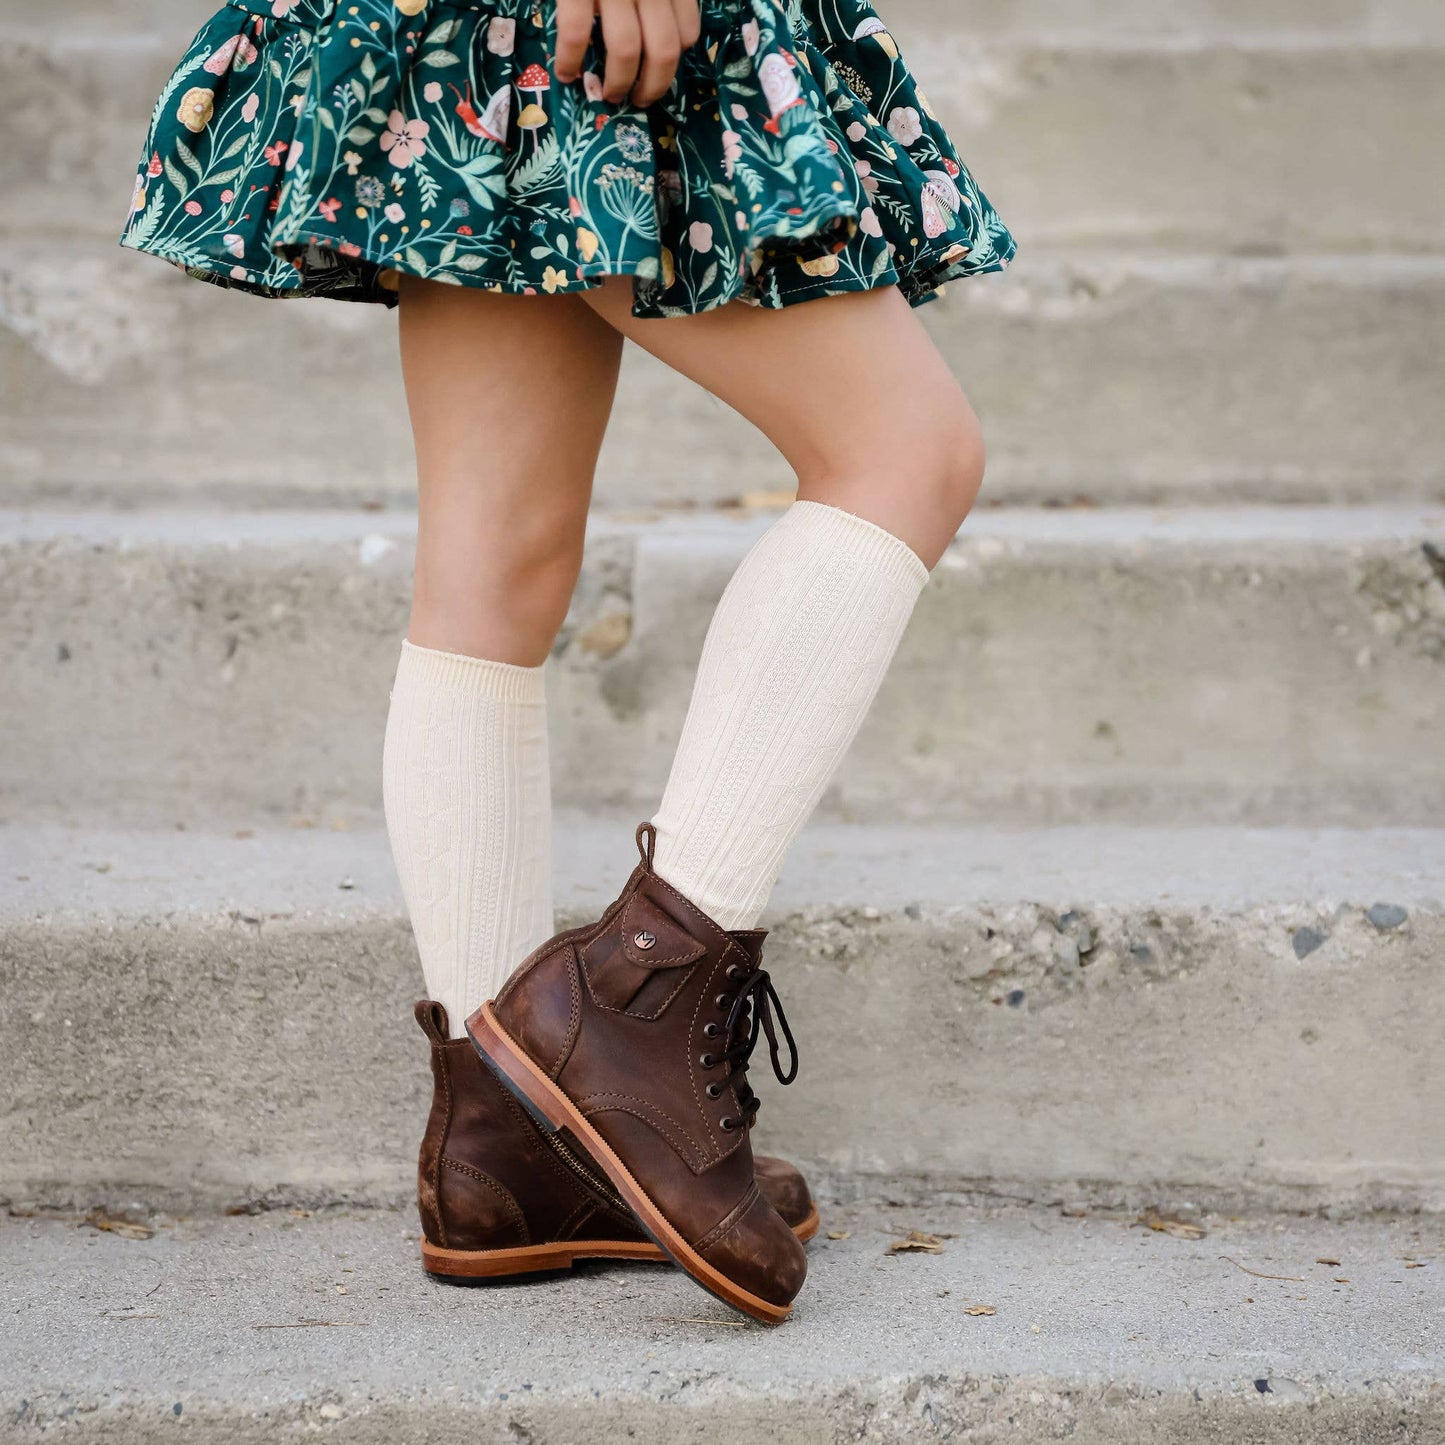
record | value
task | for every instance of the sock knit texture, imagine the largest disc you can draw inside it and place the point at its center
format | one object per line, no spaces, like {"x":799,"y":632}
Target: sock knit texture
{"x":468,"y":798}
{"x":794,"y":656}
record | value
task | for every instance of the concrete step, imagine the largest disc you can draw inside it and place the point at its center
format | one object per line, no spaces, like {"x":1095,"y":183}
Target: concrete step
{"x":1240,"y":147}
{"x":1134,"y":380}
{"x":1103,"y":1333}
{"x":1266,"y":666}
{"x":1251,"y":1017}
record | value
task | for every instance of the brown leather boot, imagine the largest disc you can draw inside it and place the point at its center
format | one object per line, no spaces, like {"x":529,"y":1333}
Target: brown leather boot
{"x":499,"y":1197}
{"x":633,"y":1034}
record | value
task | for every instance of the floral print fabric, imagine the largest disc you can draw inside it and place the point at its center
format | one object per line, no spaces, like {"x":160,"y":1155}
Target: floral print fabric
{"x":321,"y":147}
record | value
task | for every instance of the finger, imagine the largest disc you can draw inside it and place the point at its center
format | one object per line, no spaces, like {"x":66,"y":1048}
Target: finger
{"x":689,"y":22}
{"x":622,"y":35}
{"x":661,"y":50}
{"x":574,"y":35}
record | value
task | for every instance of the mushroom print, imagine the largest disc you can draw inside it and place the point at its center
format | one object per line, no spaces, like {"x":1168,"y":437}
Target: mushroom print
{"x":536,"y":80}
{"x":322,"y":147}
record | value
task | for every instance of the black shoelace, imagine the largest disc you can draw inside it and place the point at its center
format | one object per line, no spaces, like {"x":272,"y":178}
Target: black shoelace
{"x":756,"y":1012}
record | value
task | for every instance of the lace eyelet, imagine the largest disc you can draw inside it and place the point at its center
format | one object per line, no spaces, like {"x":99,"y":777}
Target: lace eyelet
{"x":723,"y":1001}
{"x":707,"y":1061}
{"x":734,"y":972}
{"x":714,"y":1091}
{"x":710,"y":1031}
{"x":728,"y":1125}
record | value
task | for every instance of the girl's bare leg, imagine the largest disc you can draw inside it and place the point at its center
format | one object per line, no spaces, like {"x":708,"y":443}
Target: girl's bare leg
{"x":509,"y":400}
{"x":889,"y":461}
{"x":851,"y":390}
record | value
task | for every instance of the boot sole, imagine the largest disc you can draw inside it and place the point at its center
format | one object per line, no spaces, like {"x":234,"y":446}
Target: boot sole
{"x":553,"y":1110}
{"x":474,"y":1264}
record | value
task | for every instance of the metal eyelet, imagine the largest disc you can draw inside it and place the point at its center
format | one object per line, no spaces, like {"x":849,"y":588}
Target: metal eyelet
{"x":723,"y":1001}
{"x":707,"y":1061}
{"x":710,"y":1031}
{"x":714,"y":1091}
{"x":734,"y":972}
{"x":728,"y":1125}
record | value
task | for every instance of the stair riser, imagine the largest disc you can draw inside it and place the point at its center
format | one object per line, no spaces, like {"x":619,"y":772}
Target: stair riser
{"x":1245,"y":149}
{"x":1274,"y":682}
{"x":185,"y":1061}
{"x":1202,"y":381}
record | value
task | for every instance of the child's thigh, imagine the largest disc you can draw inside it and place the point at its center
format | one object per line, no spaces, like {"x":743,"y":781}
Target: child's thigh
{"x":843,"y":382}
{"x":506,"y":393}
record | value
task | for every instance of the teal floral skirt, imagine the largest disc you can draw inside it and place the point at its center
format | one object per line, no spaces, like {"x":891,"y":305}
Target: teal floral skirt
{"x":324,"y":147}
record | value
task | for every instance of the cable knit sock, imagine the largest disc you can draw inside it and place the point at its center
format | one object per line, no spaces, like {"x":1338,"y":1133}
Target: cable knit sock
{"x":794,"y":657}
{"x":469,"y":813}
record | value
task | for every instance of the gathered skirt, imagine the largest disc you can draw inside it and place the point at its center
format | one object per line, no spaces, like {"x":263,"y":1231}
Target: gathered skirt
{"x":325,"y":147}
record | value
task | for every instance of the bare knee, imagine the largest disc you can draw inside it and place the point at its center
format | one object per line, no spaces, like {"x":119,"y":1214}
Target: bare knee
{"x":916,"y":474}
{"x":953,"y":471}
{"x":498,"y":589}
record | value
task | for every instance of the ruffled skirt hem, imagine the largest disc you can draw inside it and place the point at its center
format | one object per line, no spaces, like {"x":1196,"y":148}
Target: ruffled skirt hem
{"x":321,"y":149}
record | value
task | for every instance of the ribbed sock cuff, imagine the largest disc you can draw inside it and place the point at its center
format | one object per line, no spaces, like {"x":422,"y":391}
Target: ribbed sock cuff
{"x":507,"y":681}
{"x":873,"y":545}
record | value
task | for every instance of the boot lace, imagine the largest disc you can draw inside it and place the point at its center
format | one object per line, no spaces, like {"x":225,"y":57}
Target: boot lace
{"x":755,"y":1012}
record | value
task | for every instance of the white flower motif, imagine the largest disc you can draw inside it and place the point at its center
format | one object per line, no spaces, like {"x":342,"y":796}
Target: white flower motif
{"x":905,"y":125}
{"x":752,"y":36}
{"x":249,"y":109}
{"x":857,"y":131}
{"x":294,"y":155}
{"x":699,"y":236}
{"x":869,"y":223}
{"x":395,"y":213}
{"x":432,"y":91}
{"x":502,"y":36}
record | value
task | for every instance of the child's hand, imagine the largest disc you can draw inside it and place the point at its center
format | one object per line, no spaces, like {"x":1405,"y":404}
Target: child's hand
{"x":644,"y":41}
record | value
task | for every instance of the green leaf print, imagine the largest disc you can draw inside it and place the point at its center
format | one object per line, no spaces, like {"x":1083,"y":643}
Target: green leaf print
{"x":484,"y":180}
{"x":331,"y":142}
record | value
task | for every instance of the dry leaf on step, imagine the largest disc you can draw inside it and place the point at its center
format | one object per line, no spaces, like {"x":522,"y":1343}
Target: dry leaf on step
{"x":120,"y":1224}
{"x":916,"y":1242}
{"x":1171,"y":1224}
{"x":981,"y":1310}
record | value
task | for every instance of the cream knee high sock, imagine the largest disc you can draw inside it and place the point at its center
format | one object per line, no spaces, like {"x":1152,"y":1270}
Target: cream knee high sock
{"x":794,"y":657}
{"x":469,"y":813}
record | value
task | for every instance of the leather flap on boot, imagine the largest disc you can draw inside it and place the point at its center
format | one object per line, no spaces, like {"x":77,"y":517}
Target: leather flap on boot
{"x":633,"y":966}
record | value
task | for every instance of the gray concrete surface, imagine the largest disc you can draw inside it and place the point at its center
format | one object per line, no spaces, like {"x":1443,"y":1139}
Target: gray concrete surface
{"x":1103,"y":1332}
{"x":1264,"y":666}
{"x":1241,"y":147}
{"x":1242,"y":1017}
{"x":1129,"y":379}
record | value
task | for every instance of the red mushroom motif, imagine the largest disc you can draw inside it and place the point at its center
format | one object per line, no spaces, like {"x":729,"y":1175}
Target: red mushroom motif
{"x":535,"y":79}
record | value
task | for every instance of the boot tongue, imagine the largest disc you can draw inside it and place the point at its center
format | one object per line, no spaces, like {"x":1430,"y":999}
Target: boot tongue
{"x":750,"y":940}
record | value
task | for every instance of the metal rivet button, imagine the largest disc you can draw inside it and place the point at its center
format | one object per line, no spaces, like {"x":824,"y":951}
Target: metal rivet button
{"x":645,"y":939}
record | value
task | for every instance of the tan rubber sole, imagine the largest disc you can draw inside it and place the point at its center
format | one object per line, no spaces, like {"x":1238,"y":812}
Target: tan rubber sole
{"x":553,"y":1110}
{"x":543,"y":1258}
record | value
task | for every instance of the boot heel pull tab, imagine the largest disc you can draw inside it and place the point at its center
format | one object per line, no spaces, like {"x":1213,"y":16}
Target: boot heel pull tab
{"x":649,"y":832}
{"x":432,"y":1017}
